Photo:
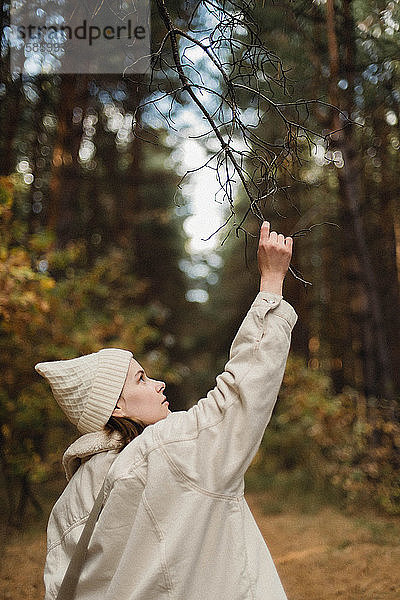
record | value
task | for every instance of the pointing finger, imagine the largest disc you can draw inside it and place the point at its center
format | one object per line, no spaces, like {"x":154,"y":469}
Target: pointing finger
{"x":264,"y":232}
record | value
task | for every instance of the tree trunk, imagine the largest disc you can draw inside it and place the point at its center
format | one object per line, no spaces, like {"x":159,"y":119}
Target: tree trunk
{"x":64,"y":181}
{"x":350,"y":185}
{"x":10,"y":116}
{"x":8,"y":480}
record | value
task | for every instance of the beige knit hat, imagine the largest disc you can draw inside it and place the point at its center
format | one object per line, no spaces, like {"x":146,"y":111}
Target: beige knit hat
{"x":87,"y":388}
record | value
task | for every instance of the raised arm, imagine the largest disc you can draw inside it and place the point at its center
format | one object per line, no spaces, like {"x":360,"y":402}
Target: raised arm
{"x":214,"y":442}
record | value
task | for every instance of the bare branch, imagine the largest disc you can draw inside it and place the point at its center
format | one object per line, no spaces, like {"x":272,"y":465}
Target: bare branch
{"x":243,"y":73}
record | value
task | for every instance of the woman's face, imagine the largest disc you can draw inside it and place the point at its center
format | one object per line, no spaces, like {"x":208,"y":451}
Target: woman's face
{"x":141,"y":397}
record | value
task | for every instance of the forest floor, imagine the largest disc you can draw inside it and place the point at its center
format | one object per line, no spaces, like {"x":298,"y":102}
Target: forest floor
{"x":323,"y":555}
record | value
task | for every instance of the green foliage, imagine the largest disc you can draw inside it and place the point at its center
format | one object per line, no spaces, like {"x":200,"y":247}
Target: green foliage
{"x":338,"y":445}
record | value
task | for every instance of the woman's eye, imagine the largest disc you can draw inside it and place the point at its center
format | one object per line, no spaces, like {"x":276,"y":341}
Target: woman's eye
{"x":142,"y":377}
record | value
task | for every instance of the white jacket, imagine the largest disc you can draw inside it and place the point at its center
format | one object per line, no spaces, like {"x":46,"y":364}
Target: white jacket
{"x":175,"y":524}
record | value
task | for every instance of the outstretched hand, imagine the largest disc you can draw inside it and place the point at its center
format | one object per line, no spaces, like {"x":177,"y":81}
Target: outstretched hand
{"x":273,"y":255}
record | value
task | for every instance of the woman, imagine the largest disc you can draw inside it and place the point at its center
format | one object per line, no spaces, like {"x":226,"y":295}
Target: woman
{"x":174,"y":522}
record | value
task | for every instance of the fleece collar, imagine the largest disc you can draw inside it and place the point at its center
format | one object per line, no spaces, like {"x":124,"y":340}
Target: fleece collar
{"x":86,"y":446}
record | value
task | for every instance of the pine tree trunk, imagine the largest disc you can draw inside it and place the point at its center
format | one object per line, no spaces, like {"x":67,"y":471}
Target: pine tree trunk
{"x":64,"y":182}
{"x":350,"y":186}
{"x":11,"y":114}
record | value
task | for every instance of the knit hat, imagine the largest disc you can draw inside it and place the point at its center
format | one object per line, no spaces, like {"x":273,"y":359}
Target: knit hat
{"x":87,"y":388}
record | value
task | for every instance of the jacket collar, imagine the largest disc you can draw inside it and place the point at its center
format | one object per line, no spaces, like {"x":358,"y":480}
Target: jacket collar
{"x":86,"y":446}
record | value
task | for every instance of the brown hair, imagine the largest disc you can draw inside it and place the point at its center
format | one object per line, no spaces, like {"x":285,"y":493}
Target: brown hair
{"x":127,"y":428}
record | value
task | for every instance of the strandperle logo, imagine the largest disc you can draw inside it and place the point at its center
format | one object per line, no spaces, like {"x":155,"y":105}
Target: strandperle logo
{"x":69,"y":37}
{"x":82,"y":32}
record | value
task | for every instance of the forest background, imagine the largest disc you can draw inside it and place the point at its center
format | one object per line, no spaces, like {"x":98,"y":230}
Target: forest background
{"x":100,"y":246}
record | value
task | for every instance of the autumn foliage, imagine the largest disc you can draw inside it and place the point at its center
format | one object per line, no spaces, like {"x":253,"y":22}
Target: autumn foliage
{"x":54,"y":305}
{"x":340,"y":445}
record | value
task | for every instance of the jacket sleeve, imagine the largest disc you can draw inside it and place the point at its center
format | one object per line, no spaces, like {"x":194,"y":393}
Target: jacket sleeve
{"x":214,"y":442}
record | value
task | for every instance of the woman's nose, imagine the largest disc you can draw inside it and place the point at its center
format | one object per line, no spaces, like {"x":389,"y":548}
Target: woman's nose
{"x":160,"y":386}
